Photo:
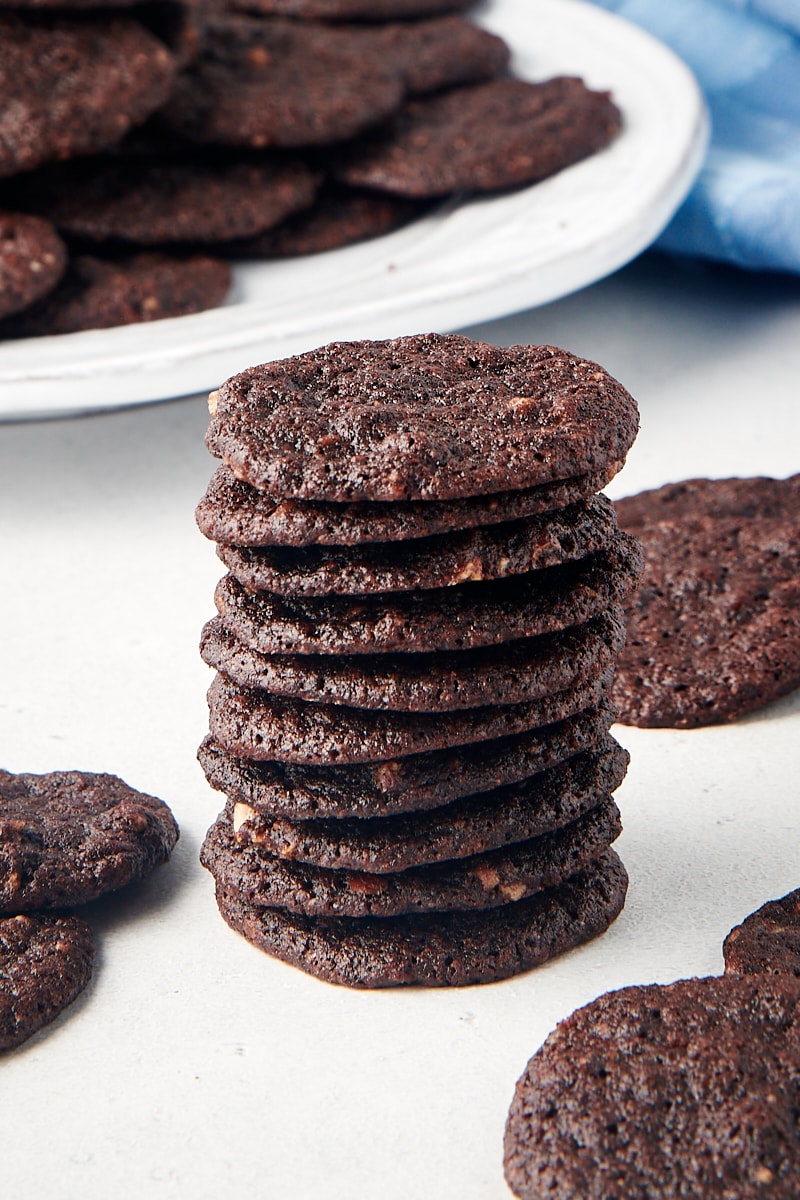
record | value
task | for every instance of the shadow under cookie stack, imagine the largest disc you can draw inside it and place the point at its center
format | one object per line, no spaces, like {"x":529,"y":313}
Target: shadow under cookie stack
{"x":414,"y":645}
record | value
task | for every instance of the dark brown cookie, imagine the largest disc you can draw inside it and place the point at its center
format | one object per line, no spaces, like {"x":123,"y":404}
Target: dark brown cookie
{"x":353,"y":10}
{"x":714,"y":630}
{"x":280,"y":83}
{"x":445,"y":560}
{"x":32,"y":260}
{"x":456,"y":618}
{"x":428,"y":417}
{"x":484,"y":137}
{"x":235,"y":514}
{"x":437,"y":950}
{"x":99,"y":294}
{"x":685,"y":1090}
{"x":439,"y":53}
{"x":412,"y":784}
{"x":509,"y":674}
{"x":74,"y":85}
{"x":483,"y":881}
{"x":768,"y":941}
{"x":152,"y":203}
{"x":538,"y":805}
{"x":69,"y":837}
{"x":252,"y":724}
{"x":45,"y":963}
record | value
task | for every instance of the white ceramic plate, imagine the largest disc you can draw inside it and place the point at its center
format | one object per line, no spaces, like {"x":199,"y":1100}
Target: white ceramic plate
{"x":466,"y":262}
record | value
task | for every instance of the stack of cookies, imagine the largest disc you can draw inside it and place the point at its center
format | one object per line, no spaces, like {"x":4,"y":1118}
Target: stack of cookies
{"x":414,"y":645}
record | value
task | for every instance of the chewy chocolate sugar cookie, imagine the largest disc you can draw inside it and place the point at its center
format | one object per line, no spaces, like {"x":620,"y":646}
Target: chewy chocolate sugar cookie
{"x":45,"y":963}
{"x":768,"y":941}
{"x":32,"y":260}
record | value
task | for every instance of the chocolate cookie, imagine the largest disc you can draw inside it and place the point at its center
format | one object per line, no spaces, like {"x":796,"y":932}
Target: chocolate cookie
{"x":433,"y":949}
{"x":280,"y":83}
{"x":483,"y":881}
{"x":768,"y":941}
{"x":98,"y":294}
{"x":714,"y":631}
{"x":484,"y":137}
{"x":74,"y":85}
{"x":45,"y":963}
{"x":538,"y":805}
{"x":510,"y":674}
{"x":349,"y":10}
{"x":444,"y":560}
{"x":412,"y":784}
{"x":32,"y":260}
{"x":235,"y":514}
{"x":439,"y":53}
{"x":255,"y":725}
{"x":69,"y":837}
{"x":457,"y":618}
{"x":152,"y":202}
{"x":428,"y":417}
{"x":685,"y":1090}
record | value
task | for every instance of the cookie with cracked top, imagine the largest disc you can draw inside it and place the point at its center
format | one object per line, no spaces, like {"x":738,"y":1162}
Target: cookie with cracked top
{"x":683,"y":1090}
{"x":439,"y":949}
{"x":768,"y":941}
{"x":352,"y":10}
{"x":550,"y":800}
{"x":464,"y":617}
{"x":32,"y":260}
{"x":45,"y":963}
{"x":444,"y":560}
{"x":509,"y":674}
{"x":111,"y":74}
{"x":71,"y":836}
{"x":252,"y":724}
{"x":413,"y":784}
{"x":714,"y":630}
{"x":483,"y":137}
{"x":427,"y":417}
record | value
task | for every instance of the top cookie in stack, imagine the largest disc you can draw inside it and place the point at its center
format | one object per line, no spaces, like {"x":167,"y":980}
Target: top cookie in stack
{"x":415,"y":643}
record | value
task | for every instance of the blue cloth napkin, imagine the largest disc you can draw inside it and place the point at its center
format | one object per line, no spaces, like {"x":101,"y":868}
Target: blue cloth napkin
{"x":745,"y":205}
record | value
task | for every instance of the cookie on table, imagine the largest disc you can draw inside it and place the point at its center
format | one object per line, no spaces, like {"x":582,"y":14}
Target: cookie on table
{"x":111,"y":74}
{"x":437,"y":950}
{"x":484,"y":137}
{"x":32,"y":260}
{"x":688,"y":1089}
{"x":100,"y":293}
{"x":233,"y":513}
{"x":414,"y":784}
{"x":538,"y":805}
{"x":768,"y":941}
{"x":71,"y":836}
{"x":353,"y":10}
{"x":45,"y":963}
{"x":264,"y":83}
{"x":714,"y":630}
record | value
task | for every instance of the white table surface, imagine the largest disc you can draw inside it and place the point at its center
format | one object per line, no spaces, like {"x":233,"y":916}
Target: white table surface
{"x":194,"y":1066}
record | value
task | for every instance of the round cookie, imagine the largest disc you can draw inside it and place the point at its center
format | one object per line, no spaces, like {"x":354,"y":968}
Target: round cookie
{"x":509,"y":674}
{"x":77,"y":84}
{"x":483,"y":881}
{"x":235,"y":514}
{"x":352,"y":10}
{"x":437,"y":950}
{"x":280,"y":83}
{"x":439,"y":53}
{"x":714,"y":629}
{"x":45,"y":963}
{"x":550,"y":800}
{"x":32,"y":260}
{"x":413,"y":784}
{"x":97,"y":293}
{"x":252,"y":724}
{"x":427,"y":417}
{"x":445,"y":560}
{"x":684,"y":1090}
{"x":457,"y":618}
{"x":768,"y":941}
{"x":70,"y":836}
{"x":484,"y":137}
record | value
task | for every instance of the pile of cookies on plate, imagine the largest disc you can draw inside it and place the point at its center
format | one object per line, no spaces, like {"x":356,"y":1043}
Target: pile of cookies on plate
{"x":414,"y":649}
{"x":197,"y":133}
